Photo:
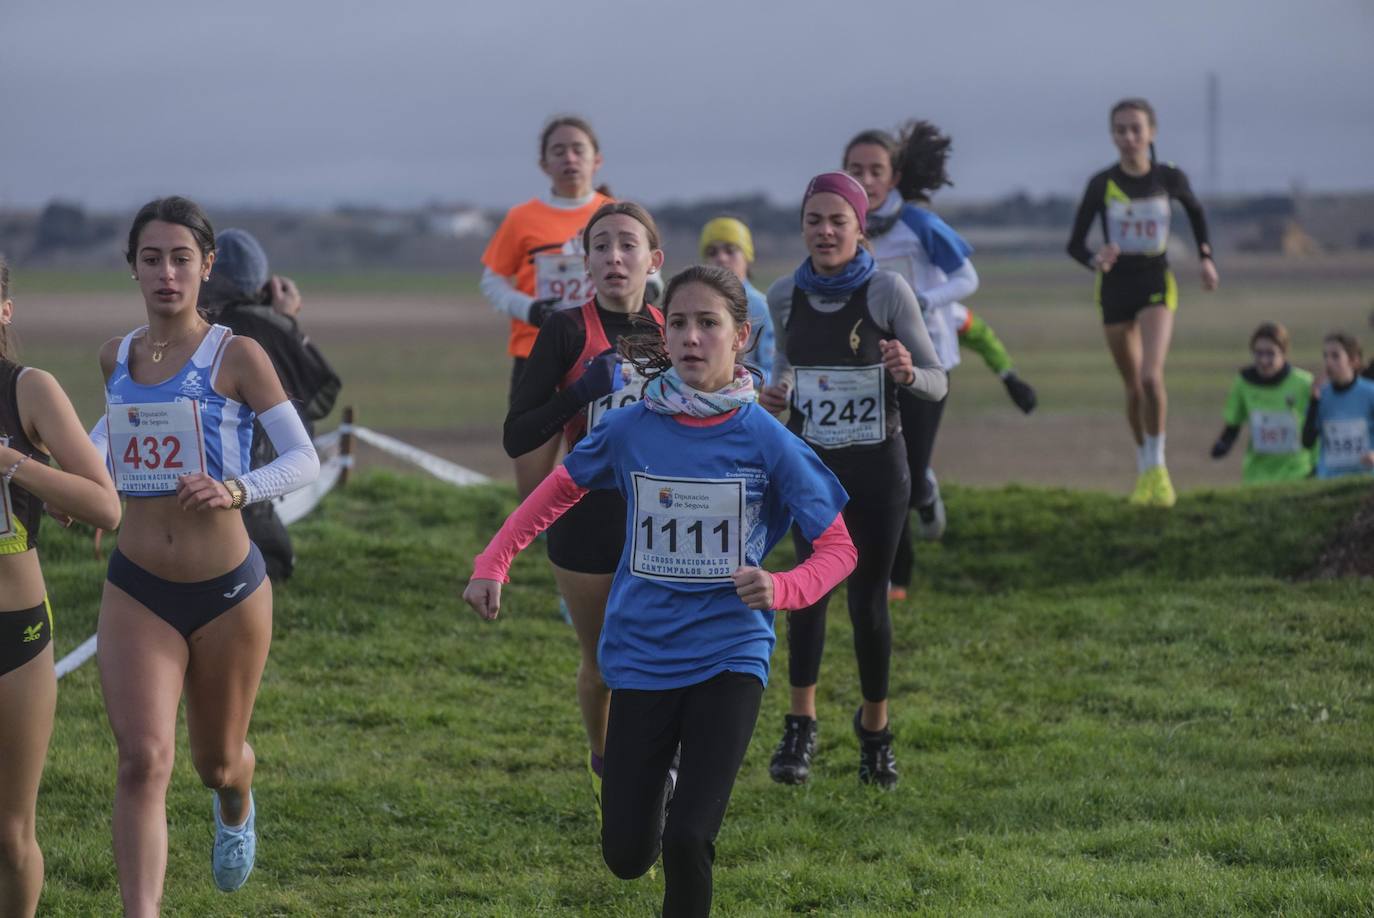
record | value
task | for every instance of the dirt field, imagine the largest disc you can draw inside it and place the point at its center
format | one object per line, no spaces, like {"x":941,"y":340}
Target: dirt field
{"x":431,"y":369}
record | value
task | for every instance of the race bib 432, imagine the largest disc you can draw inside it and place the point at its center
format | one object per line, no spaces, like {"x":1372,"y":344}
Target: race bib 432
{"x":153,"y":445}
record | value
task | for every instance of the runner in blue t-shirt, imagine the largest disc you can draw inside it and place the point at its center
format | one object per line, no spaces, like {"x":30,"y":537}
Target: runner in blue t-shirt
{"x":711,"y":483}
{"x":1341,"y":413}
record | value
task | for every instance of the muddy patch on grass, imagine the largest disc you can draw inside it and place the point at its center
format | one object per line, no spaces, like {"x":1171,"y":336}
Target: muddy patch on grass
{"x":1351,"y":552}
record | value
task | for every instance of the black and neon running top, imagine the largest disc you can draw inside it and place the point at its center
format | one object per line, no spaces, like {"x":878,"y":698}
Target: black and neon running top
{"x":24,"y":509}
{"x":1135,"y":214}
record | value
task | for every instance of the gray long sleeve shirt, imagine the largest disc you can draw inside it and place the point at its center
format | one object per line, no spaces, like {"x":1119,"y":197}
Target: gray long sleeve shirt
{"x":893,"y":306}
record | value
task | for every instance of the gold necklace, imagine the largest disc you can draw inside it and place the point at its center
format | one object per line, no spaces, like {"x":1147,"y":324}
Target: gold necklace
{"x":160,"y":346}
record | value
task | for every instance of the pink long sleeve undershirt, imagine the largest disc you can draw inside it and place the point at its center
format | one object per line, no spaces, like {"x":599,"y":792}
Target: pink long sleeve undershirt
{"x":833,"y":554}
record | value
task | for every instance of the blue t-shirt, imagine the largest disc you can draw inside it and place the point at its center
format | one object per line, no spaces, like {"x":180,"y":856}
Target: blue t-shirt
{"x":759,"y":352}
{"x":701,"y":503}
{"x":1347,"y":422}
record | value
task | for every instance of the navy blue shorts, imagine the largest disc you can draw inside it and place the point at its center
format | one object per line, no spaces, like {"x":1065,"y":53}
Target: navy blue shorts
{"x":189,"y":606}
{"x":23,"y":635}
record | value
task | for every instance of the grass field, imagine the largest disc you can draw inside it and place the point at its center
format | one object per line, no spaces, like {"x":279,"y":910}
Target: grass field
{"x":1098,"y":710}
{"x":423,"y":357}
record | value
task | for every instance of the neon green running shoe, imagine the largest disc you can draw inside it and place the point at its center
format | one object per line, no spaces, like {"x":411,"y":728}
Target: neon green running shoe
{"x":1140,"y":497}
{"x":1161,"y":488}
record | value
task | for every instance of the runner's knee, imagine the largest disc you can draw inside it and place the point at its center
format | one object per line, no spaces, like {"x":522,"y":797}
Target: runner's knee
{"x":17,"y":841}
{"x":145,"y":761}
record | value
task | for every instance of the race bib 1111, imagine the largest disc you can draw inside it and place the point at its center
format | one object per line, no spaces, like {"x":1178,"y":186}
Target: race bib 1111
{"x":687,"y":529}
{"x":153,"y":445}
{"x":842,"y":406}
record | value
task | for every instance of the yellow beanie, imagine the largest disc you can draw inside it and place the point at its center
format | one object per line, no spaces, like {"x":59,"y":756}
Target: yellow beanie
{"x":727,"y":229}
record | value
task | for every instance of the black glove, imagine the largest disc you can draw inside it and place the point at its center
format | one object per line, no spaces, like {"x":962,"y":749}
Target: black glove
{"x":1225,"y":441}
{"x":599,"y":377}
{"x":541,"y":310}
{"x":1020,"y":391}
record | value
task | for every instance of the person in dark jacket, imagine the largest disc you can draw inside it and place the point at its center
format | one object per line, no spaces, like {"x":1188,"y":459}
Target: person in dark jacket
{"x":244,"y":295}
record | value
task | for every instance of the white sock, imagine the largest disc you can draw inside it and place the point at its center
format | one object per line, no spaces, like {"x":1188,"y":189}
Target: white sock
{"x":1153,"y":450}
{"x":1140,"y":465}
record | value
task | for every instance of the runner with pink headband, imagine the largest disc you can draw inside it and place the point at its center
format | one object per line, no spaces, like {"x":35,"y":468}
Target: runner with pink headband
{"x":849,"y":336}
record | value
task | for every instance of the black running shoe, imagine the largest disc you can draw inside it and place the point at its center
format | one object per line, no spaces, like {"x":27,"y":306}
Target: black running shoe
{"x":791,"y":762}
{"x":877,"y":764}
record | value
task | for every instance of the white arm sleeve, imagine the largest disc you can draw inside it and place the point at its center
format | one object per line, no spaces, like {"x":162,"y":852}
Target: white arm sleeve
{"x":959,"y":284}
{"x":296,"y":464}
{"x":100,"y":435}
{"x":503,"y":296}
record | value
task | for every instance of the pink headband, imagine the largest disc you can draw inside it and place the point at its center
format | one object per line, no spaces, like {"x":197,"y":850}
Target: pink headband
{"x":844,"y":185}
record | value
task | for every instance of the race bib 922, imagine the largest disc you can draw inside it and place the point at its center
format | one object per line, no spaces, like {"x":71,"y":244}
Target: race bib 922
{"x":687,"y":529}
{"x":563,"y":278}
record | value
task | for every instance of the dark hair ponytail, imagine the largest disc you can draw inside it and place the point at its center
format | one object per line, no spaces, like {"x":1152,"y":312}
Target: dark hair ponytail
{"x":923,"y":162}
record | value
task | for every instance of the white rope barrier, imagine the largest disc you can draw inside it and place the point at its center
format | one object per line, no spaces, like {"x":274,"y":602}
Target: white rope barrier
{"x":298,"y":504}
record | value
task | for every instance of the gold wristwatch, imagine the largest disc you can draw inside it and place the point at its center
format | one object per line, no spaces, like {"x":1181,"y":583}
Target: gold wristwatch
{"x":236,"y":493}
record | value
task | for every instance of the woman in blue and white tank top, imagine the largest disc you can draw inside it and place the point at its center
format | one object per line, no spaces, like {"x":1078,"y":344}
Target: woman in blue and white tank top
{"x":187,"y":604}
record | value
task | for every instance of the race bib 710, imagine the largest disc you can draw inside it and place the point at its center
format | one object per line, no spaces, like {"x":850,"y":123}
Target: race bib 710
{"x":1139,"y":227}
{"x":687,"y":529}
{"x":153,"y":445}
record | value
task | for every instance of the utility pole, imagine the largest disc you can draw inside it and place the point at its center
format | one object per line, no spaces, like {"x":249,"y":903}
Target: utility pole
{"x":1213,"y":134}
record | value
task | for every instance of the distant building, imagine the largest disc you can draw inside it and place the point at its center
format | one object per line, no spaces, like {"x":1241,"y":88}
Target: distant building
{"x":458,"y":222}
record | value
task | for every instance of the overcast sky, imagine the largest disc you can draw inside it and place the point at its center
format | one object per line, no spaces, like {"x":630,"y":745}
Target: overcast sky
{"x":316,"y":102}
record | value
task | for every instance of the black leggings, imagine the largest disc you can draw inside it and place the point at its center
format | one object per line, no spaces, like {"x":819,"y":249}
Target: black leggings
{"x":712,"y":721}
{"x":879,"y":488}
{"x":920,"y":424}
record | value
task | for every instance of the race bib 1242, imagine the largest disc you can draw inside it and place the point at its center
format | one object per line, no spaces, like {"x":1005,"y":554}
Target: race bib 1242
{"x":842,"y":406}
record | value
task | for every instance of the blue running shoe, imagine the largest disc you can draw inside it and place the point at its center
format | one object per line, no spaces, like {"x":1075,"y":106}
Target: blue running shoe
{"x":232,"y":857}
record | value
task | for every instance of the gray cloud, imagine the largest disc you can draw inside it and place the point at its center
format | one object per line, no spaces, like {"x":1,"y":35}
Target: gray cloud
{"x":315,"y":103}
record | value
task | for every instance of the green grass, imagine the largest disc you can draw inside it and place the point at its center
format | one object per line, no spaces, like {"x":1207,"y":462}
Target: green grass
{"x":1099,"y":711}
